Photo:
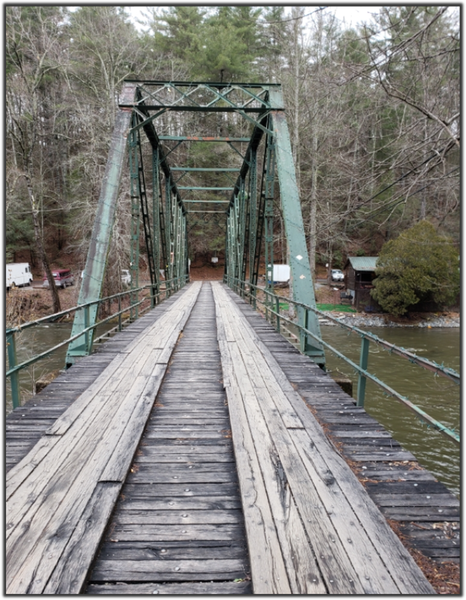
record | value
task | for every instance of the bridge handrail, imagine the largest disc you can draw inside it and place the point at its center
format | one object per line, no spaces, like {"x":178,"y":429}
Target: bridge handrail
{"x":361,"y":369}
{"x":10,"y":332}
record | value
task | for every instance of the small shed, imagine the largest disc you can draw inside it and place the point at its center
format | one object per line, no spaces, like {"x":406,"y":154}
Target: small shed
{"x":360,"y":273}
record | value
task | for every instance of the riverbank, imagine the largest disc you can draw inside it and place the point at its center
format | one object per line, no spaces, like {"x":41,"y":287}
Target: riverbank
{"x":30,"y":303}
{"x":427,"y":320}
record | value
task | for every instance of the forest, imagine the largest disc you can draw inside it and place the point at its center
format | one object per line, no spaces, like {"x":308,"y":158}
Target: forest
{"x":373,"y":111}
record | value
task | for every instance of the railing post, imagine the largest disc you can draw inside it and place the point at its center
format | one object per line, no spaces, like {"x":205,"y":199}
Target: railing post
{"x":119,"y":313}
{"x":303,"y":323}
{"x":364,"y":357}
{"x":277,"y":308}
{"x":86,"y":325}
{"x":14,"y":377}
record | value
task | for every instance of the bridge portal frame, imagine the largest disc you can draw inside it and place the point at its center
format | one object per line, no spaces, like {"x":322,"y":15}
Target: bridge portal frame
{"x":249,"y":215}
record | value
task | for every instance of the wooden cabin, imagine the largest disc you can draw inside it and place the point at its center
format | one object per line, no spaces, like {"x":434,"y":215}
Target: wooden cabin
{"x":360,"y":273}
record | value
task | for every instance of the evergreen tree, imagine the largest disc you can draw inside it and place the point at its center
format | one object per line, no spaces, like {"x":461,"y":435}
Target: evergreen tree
{"x":418,"y":265}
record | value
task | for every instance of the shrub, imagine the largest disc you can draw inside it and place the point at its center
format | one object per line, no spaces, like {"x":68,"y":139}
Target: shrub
{"x":418,"y":265}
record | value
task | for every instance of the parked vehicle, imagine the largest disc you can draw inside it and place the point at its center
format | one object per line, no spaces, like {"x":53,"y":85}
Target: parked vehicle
{"x":337,"y":275}
{"x":125,"y":276}
{"x":281,"y":273}
{"x":18,"y":274}
{"x":62,"y":277}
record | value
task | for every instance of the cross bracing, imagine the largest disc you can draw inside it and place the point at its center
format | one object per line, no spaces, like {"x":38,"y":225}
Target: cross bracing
{"x":234,"y":176}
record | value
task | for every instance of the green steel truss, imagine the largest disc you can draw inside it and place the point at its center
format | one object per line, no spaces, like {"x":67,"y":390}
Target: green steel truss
{"x":244,"y":200}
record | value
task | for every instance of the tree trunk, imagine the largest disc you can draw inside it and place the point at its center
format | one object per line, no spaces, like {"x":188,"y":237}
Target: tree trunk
{"x":313,"y":207}
{"x":40,"y":244}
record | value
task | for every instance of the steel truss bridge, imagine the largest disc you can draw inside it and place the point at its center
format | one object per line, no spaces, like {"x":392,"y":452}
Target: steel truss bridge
{"x":166,"y":210}
{"x":197,"y":451}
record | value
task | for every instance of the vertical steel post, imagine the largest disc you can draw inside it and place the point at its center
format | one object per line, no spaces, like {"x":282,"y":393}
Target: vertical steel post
{"x":268,"y":216}
{"x":119,"y":313}
{"x":86,"y":325}
{"x":252,"y":212}
{"x":135,"y":217}
{"x":168,"y":228}
{"x":12,"y":362}
{"x":277,"y":310}
{"x":242,"y":218}
{"x":363,"y":360}
{"x":156,"y":219}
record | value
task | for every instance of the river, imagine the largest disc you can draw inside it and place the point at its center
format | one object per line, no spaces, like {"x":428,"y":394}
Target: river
{"x":438,"y":396}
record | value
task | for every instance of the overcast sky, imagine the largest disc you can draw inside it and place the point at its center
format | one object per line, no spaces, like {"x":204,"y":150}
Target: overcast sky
{"x":352,"y":15}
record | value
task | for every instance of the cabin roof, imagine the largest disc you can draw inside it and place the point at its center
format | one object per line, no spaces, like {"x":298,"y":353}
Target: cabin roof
{"x":362,"y":263}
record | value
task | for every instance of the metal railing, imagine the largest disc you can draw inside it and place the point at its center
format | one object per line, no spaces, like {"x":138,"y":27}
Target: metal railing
{"x":272,"y":312}
{"x":171,"y":286}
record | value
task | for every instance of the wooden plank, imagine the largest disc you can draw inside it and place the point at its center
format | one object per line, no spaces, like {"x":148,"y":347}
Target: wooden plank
{"x":422,"y":513}
{"x":160,"y":451}
{"x":173,"y":490}
{"x":435,"y":500}
{"x":203,"y":503}
{"x":78,"y":409}
{"x":208,"y":549}
{"x":305,"y":415}
{"x":267,"y":565}
{"x":120,"y":461}
{"x":168,"y":570}
{"x":18,"y":474}
{"x":70,"y":573}
{"x":174,"y":589}
{"x":276,"y":460}
{"x":156,"y":458}
{"x":177,"y":517}
{"x":159,"y":533}
{"x":186,"y":477}
{"x":83,"y":436}
{"x":51,"y":512}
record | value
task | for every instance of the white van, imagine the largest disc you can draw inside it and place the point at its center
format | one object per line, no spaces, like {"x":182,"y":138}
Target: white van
{"x":18,"y":274}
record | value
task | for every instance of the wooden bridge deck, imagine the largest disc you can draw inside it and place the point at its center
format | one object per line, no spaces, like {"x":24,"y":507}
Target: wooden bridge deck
{"x":123,"y":496}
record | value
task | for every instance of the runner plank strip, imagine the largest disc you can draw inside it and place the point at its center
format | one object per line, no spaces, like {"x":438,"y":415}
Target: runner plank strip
{"x":289,"y":455}
{"x":55,"y":488}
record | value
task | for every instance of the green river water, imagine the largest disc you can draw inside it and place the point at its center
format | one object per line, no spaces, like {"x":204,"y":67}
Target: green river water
{"x":438,"y":396}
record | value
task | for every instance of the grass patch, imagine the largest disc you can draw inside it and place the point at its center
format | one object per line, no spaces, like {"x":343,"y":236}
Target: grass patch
{"x":337,"y":307}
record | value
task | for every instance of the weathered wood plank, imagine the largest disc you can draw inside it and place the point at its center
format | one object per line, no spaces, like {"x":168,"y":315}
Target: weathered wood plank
{"x":240,"y":587}
{"x":70,"y":572}
{"x":169,"y":570}
{"x":418,"y":500}
{"x":290,"y":530}
{"x":192,"y":503}
{"x":177,"y":517}
{"x":379,"y":578}
{"x":179,"y":490}
{"x":267,"y":566}
{"x":33,"y":551}
{"x":147,"y":533}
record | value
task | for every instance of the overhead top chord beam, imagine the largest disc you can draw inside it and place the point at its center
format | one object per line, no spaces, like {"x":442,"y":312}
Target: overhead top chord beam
{"x":208,"y":96}
{"x":206,"y":169}
{"x":210,"y":189}
{"x":195,"y":138}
